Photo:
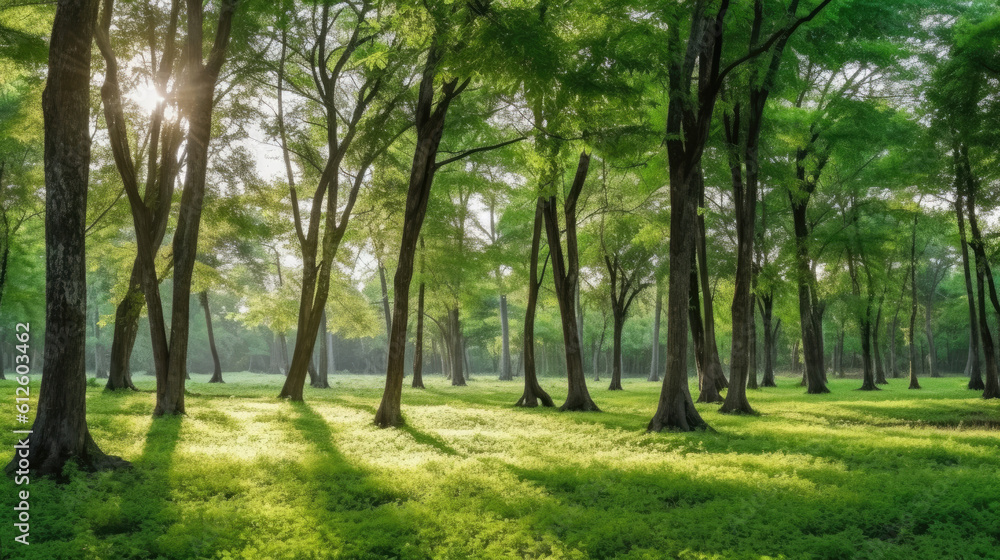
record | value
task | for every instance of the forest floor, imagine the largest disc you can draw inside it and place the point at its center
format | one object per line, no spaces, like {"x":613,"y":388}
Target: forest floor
{"x":893,"y":474}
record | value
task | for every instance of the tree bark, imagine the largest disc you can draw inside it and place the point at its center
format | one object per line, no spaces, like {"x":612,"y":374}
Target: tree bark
{"x":60,"y":433}
{"x":879,"y":370}
{"x":565,"y":275}
{"x":430,"y":120}
{"x":418,"y":346}
{"x":972,"y":368}
{"x":654,"y":365}
{"x":505,"y":369}
{"x":766,"y":304}
{"x":323,"y":372}
{"x":533,"y":392}
{"x":385,"y":299}
{"x":969,"y":181}
{"x":126,"y":329}
{"x":99,"y":371}
{"x":752,"y":377}
{"x":217,"y":371}
{"x":457,"y":347}
{"x":914,"y":362}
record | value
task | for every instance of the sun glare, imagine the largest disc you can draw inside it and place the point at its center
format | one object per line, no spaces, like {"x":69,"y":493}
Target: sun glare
{"x":147,"y":97}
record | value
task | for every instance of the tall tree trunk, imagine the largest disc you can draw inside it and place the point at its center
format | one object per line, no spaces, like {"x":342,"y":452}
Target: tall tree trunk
{"x":929,"y":330}
{"x":752,"y":377}
{"x":879,"y":370}
{"x":533,"y":392}
{"x":217,"y":372}
{"x":972,"y":368}
{"x":385,"y":300}
{"x":457,"y":349}
{"x":99,"y":371}
{"x":654,"y":362}
{"x":766,"y":304}
{"x":566,"y":276}
{"x":708,"y":391}
{"x":992,"y":382}
{"x":505,"y":369}
{"x":418,"y":346}
{"x":60,"y":433}
{"x":429,"y":119}
{"x":712,"y":363}
{"x":914,"y":362}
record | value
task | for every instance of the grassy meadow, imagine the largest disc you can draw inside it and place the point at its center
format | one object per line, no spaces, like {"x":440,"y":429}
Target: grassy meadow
{"x":894,"y":474}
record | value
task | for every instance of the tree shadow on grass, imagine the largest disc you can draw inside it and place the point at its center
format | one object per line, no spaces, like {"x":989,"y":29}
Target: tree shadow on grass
{"x":354,"y":515}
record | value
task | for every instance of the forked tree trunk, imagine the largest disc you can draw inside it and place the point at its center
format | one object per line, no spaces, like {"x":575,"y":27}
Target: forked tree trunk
{"x":60,"y":433}
{"x":533,"y":392}
{"x":565,"y":274}
{"x":217,"y":371}
{"x":992,"y":382}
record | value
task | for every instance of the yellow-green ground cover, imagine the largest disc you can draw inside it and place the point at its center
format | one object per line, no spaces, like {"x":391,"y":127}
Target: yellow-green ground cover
{"x":882,"y":475}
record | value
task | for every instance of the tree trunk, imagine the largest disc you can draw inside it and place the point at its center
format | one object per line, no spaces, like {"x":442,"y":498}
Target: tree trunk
{"x":708,"y":389}
{"x":126,"y":329}
{"x":418,"y":346}
{"x":385,"y":300}
{"x":914,"y":362}
{"x":972,"y":368}
{"x":429,"y":119}
{"x":59,"y":433}
{"x":565,"y":274}
{"x":322,"y":380}
{"x":879,"y":370}
{"x":217,"y":372}
{"x":766,"y":304}
{"x":752,"y":378}
{"x":505,"y":366}
{"x":616,"y":353}
{"x":868,"y":384}
{"x":533,"y":392}
{"x":654,"y":362}
{"x":992,"y":382}
{"x":99,"y":371}
{"x":712,"y":363}
{"x":457,"y":350}
{"x":928,"y":329}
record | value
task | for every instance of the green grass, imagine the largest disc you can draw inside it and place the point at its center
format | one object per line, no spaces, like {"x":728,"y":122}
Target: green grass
{"x":894,"y":474}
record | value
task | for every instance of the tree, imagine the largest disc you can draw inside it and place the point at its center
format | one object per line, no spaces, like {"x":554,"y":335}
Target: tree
{"x":357,"y":101}
{"x":692,"y":97}
{"x":59,"y":432}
